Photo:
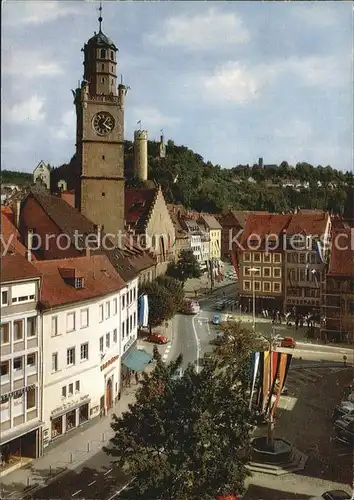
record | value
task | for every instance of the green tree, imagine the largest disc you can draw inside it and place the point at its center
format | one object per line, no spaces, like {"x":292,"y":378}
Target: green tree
{"x":174,"y":287}
{"x":161,"y":303}
{"x":186,"y":267}
{"x":185,"y":438}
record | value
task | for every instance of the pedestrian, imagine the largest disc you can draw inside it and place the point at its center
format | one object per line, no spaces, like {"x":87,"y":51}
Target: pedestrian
{"x":296,"y":322}
{"x":130,"y":379}
{"x":136,"y":378}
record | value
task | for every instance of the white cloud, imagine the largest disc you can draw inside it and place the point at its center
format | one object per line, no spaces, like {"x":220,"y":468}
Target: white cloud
{"x":295,"y":130}
{"x":35,"y":13}
{"x":67,"y":128}
{"x":207,"y":31}
{"x":151,"y":119}
{"x":315,"y":14}
{"x":28,"y":110}
{"x":231,"y":82}
{"x":29,"y":64}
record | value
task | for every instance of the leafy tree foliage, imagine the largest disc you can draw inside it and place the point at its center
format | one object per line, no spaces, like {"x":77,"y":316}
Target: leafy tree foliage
{"x":186,"y":267}
{"x":185,"y":438}
{"x":174,"y":287}
{"x":161,"y":303}
{"x":18,"y":178}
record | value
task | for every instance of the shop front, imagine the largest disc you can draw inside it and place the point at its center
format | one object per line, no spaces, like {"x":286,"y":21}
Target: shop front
{"x":133,"y":361}
{"x":111,"y":394}
{"x":262,"y":303}
{"x":69,"y":416}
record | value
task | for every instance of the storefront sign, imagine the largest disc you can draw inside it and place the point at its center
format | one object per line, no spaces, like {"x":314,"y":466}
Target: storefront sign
{"x":18,"y":392}
{"x":109,"y":362}
{"x":68,"y":406}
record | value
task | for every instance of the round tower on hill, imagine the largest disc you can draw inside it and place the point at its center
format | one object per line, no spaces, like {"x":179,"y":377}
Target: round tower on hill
{"x":141,"y":155}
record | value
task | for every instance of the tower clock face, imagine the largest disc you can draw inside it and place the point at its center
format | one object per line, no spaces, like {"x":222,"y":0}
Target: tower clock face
{"x":103,"y":123}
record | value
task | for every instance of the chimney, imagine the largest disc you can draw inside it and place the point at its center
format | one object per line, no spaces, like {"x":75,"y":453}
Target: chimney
{"x":29,"y":244}
{"x":17,"y":210}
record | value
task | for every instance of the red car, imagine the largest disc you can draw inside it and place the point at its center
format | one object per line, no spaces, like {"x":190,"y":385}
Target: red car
{"x":288,"y":342}
{"x":157,"y":338}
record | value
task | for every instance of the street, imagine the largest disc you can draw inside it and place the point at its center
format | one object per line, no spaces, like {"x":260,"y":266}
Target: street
{"x":100,"y":478}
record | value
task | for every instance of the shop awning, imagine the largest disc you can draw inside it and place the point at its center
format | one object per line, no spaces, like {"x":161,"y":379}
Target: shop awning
{"x":137,"y":360}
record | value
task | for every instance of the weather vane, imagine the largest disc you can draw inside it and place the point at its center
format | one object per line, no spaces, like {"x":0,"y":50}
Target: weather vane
{"x":100,"y":18}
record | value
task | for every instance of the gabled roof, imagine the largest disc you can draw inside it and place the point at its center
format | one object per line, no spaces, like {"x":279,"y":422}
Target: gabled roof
{"x":241,"y":215}
{"x":210,"y":221}
{"x":138,"y":204}
{"x":10,"y":233}
{"x":100,"y":279}
{"x":341,"y":262}
{"x":263,"y":225}
{"x":308,"y":222}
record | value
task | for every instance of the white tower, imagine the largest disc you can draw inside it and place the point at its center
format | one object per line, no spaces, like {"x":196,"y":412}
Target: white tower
{"x":141,"y":155}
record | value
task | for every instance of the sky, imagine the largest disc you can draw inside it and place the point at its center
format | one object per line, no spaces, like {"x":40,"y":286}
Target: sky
{"x":233,"y":81}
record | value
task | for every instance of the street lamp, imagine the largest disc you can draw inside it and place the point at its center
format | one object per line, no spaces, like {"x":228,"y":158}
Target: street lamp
{"x":253,"y":270}
{"x":270,"y":384}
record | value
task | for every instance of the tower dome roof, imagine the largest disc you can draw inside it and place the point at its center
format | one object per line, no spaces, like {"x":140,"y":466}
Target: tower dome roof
{"x":101,"y":40}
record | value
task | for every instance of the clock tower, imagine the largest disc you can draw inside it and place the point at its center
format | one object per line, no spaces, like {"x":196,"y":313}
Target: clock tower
{"x":99,"y":106}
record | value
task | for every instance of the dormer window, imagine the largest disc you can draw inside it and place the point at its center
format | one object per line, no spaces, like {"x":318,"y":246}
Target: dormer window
{"x":79,"y":283}
{"x":103,"y":53}
{"x":72,"y":277}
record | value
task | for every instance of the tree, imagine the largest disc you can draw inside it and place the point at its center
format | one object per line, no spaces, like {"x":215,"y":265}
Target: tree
{"x":161,"y":303}
{"x":185,"y":438}
{"x":186,"y":267}
{"x":174,"y":287}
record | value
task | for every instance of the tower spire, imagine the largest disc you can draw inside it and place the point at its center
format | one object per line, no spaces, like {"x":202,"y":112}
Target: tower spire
{"x":100,"y":18}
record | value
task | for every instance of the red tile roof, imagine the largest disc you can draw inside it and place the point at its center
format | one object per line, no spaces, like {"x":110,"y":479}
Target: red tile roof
{"x":11,"y":235}
{"x":138,"y":202}
{"x":341,"y":262}
{"x":308,"y":222}
{"x":263,"y":225}
{"x":15,"y":267}
{"x":100,"y":279}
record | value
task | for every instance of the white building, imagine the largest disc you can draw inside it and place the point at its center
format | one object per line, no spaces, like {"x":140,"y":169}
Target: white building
{"x":89,"y":318}
{"x":21,"y":405}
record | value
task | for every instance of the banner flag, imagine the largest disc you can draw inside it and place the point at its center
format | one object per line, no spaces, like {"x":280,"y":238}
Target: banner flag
{"x":255,"y":366}
{"x":146,"y":311}
{"x":266,"y":368}
{"x":276,"y":356}
{"x":284,"y":365}
{"x":260,"y":382}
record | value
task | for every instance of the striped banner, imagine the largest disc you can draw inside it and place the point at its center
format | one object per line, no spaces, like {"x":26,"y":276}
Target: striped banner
{"x":284,"y":365}
{"x":255,"y":366}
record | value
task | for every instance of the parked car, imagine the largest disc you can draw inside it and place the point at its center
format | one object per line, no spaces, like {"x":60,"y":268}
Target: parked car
{"x":190,"y":307}
{"x":345,"y":408}
{"x":216,"y":320}
{"x":344,"y":430}
{"x":157,"y":338}
{"x":288,"y":342}
{"x":333,"y":495}
{"x":220,"y":306}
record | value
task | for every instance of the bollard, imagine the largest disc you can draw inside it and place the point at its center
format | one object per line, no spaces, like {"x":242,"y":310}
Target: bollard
{"x":50,"y":470}
{"x":103,"y":437}
{"x":345,"y":360}
{"x":88,"y":446}
{"x":71,"y":458}
{"x":29,"y":481}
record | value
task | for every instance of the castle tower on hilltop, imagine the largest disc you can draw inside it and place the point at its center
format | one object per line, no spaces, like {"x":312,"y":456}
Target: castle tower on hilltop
{"x":100,"y":135}
{"x":162,"y":146}
{"x":140,"y":162}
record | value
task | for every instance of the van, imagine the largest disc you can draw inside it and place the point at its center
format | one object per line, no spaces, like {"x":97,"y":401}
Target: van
{"x":191,"y":307}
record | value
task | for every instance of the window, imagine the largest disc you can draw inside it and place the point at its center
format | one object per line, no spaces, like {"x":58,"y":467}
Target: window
{"x":302,"y":275}
{"x":31,"y":398}
{"x":18,"y":330}
{"x":115,"y":336}
{"x":70,"y":356}
{"x":134,"y":320}
{"x":123,"y":330}
{"x":108,"y":340}
{"x":123,"y":301}
{"x":63,"y":391}
{"x":31,"y":360}
{"x":115,"y":306}
{"x":77,"y":386}
{"x":102,"y":80}
{"x":101,"y":344}
{"x":103,"y":53}
{"x":247,"y":285}
{"x":112,"y":56}
{"x":4,"y":368}
{"x":127,"y":326}
{"x":267,"y":258}
{"x":18,"y":364}
{"x":134,"y":293}
{"x":247,"y":271}
{"x":302,"y":258}
{"x":101,"y":312}
{"x":276,"y":287}
{"x":108,"y":310}
{"x":313,"y":258}
{"x":257,"y":272}
{"x":266,"y":286}
{"x":55,"y":366}
{"x":276,"y":272}
{"x":54,"y":325}
{"x":70,"y":322}
{"x":4,"y":298}
{"x":130,"y":323}
{"x":31,"y":326}
{"x":266,"y":272}
{"x":71,"y":389}
{"x":5,"y":333}
{"x":277,"y":258}
{"x":256,"y":257}
{"x":84,"y":351}
{"x":247,"y":257}
{"x":84,"y":318}
{"x":257,"y":286}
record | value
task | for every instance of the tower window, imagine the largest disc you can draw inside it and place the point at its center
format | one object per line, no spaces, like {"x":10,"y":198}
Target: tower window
{"x":103,"y":157}
{"x":112,"y":69}
{"x":112,"y":81}
{"x":103,"y":194}
{"x":112,"y":54}
{"x":103,"y":53}
{"x":102,"y":80}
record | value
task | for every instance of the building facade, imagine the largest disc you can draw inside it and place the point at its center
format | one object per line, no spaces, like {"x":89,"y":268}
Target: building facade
{"x":215,"y":230}
{"x":21,"y":359}
{"x":89,"y":319}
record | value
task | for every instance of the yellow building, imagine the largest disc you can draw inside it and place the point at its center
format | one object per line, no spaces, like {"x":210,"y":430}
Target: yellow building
{"x":215,"y":231}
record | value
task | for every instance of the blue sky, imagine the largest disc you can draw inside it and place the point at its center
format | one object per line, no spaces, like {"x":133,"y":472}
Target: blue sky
{"x":231,"y":80}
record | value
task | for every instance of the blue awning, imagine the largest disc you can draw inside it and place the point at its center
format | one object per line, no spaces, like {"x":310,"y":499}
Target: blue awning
{"x":137,"y":360}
